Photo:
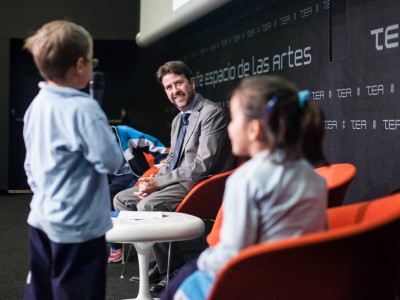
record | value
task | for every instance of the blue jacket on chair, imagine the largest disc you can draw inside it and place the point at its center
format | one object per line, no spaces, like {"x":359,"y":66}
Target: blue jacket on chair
{"x":133,"y":143}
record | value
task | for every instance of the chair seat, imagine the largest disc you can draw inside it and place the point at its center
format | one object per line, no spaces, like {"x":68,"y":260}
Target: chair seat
{"x":338,"y":178}
{"x":357,"y":259}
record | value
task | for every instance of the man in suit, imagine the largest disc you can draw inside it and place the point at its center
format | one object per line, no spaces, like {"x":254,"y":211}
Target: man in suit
{"x":199,"y":148}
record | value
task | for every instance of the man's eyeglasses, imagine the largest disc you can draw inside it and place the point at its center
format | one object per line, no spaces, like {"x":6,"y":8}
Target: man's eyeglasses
{"x":95,"y":62}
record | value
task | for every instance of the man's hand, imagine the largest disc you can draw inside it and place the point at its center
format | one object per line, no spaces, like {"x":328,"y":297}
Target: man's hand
{"x":147,"y":186}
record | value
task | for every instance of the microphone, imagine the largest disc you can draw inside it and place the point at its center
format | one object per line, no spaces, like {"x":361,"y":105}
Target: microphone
{"x":96,"y":86}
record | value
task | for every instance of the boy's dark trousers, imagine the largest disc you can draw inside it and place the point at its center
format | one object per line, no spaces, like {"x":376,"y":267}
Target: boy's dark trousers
{"x":65,"y":271}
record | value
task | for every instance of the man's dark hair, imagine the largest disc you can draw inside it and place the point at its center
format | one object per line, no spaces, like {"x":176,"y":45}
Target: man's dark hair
{"x":177,"y":67}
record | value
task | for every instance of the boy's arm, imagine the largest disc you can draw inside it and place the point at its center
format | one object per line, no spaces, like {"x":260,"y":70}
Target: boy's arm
{"x":101,"y":147}
{"x":27,"y":167}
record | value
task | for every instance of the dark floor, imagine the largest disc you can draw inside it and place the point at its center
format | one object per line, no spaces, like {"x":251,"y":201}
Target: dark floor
{"x":14,"y":234}
{"x":14,"y":210}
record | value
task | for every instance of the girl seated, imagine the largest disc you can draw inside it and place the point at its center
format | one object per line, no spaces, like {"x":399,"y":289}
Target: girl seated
{"x":276,"y":194}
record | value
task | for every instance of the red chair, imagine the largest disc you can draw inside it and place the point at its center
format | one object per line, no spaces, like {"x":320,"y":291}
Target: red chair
{"x":153,"y":170}
{"x":149,"y":158}
{"x":213,"y":237}
{"x":357,"y":259}
{"x":205,"y":199}
{"x":338,"y":178}
{"x":336,"y":189}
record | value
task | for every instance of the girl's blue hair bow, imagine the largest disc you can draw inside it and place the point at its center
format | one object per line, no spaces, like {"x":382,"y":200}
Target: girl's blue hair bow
{"x":303,"y":96}
{"x":269,"y":107}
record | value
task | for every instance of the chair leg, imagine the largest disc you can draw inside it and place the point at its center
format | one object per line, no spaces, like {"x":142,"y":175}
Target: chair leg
{"x":123,"y":253}
{"x":168,"y":261}
{"x":125,"y":261}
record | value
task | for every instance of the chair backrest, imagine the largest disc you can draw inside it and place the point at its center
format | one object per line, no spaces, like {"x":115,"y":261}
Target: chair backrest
{"x":153,"y":169}
{"x":205,"y":199}
{"x":357,"y":259}
{"x":334,"y":185}
{"x":213,"y":236}
{"x":149,"y":158}
{"x":338,"y":178}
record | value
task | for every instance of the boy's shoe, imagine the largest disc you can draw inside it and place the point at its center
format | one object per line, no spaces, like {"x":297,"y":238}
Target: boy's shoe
{"x":115,"y":255}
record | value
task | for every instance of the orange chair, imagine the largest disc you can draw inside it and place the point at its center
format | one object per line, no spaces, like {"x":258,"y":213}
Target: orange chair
{"x":213,"y":236}
{"x":205,"y":199}
{"x":357,"y":259}
{"x":338,"y":178}
{"x":153,"y":169}
{"x":149,"y":158}
{"x":334,"y":186}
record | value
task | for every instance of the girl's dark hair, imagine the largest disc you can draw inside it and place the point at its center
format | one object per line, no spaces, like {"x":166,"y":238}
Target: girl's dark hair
{"x":313,"y":133}
{"x":177,"y":67}
{"x":291,"y":125}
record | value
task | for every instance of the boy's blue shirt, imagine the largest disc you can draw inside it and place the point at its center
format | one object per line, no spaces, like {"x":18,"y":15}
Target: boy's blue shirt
{"x":70,"y":151}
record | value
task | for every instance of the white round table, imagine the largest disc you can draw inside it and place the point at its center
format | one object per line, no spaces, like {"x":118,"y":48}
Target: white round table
{"x":144,"y":233}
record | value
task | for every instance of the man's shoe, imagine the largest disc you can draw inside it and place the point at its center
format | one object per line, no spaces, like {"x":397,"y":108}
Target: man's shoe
{"x":159,"y":287}
{"x":154,"y":275}
{"x":115,"y":255}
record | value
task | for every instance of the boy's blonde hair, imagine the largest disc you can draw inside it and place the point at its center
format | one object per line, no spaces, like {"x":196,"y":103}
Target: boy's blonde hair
{"x":56,"y":47}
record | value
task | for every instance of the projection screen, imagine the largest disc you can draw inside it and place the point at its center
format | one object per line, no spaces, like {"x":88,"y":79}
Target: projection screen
{"x":159,"y":18}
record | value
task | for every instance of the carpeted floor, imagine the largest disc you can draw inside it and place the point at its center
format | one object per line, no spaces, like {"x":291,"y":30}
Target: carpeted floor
{"x":14,"y":210}
{"x":14,"y":235}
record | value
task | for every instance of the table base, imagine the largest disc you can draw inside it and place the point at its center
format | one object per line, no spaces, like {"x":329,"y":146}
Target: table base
{"x":143,"y":251}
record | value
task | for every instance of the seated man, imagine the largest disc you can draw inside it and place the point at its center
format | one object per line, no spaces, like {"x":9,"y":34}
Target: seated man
{"x":133,"y":144}
{"x":199,"y":148}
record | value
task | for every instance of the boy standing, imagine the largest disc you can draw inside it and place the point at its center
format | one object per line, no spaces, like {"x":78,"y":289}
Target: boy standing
{"x":70,"y":151}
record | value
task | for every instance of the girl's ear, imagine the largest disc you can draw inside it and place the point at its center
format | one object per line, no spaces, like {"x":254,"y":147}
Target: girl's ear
{"x":255,"y":130}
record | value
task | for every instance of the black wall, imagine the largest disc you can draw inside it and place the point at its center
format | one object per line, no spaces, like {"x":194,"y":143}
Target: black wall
{"x":106,"y":21}
{"x":345,"y":52}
